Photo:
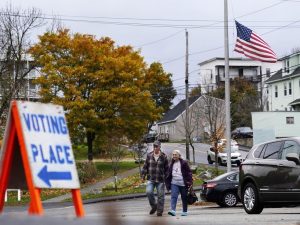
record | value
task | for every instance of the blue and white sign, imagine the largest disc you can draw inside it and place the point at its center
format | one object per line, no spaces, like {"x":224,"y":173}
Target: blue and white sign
{"x":48,"y":145}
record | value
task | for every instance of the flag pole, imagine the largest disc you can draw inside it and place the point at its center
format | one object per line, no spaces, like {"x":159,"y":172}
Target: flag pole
{"x":227,"y":88}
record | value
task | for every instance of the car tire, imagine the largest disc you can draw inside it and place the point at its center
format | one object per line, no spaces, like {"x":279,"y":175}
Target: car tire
{"x":250,"y":199}
{"x":209,"y":160}
{"x":230,"y":199}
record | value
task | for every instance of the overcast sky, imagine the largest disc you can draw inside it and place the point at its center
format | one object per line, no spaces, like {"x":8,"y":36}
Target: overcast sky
{"x":157,"y":27}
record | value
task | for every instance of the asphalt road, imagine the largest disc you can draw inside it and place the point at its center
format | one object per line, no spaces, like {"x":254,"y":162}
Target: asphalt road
{"x":135,"y":212}
{"x":200,"y":150}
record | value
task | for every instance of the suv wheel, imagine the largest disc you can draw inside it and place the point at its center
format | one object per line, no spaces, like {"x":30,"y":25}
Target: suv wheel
{"x":209,"y":160}
{"x":230,"y":199}
{"x":250,"y":200}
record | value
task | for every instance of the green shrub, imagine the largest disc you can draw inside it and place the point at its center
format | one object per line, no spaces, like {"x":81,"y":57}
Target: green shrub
{"x":87,"y":172}
{"x":80,"y":151}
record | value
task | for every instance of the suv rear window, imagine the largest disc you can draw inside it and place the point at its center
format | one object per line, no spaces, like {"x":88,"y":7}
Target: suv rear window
{"x":258,"y":151}
{"x":272,"y":150}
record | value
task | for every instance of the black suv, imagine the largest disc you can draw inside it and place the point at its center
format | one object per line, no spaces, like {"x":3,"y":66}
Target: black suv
{"x":270,"y":175}
{"x":242,"y":132}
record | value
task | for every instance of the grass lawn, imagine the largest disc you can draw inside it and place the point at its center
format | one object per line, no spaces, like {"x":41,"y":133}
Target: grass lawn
{"x":104,"y":170}
{"x":133,"y":184}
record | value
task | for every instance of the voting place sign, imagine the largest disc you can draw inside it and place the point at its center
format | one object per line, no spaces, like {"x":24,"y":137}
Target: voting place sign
{"x":48,"y":145}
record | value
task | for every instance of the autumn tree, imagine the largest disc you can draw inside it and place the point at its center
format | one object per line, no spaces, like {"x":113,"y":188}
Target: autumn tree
{"x":160,"y":86}
{"x":207,"y":113}
{"x":244,"y":99}
{"x":213,"y":114}
{"x":15,"y":28}
{"x":115,"y":145}
{"x":102,"y":87}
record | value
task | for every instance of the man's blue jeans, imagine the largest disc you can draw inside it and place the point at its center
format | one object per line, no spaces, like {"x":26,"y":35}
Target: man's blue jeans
{"x":160,"y":188}
{"x":175,"y":190}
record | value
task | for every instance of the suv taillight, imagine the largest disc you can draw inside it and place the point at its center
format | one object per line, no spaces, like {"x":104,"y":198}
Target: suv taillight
{"x":211,"y":185}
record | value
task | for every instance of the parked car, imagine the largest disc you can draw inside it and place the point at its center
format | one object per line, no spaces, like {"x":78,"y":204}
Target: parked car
{"x":234,"y":145}
{"x":148,"y":138}
{"x":242,"y":132}
{"x":196,"y":139}
{"x":222,"y":190}
{"x":270,"y":175}
{"x":236,"y":157}
{"x":163,"y":137}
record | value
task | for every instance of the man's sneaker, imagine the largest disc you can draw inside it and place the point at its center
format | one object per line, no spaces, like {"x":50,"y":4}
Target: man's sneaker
{"x":159,"y":214}
{"x":153,"y":210}
{"x":184,"y":214}
{"x":172,"y":213}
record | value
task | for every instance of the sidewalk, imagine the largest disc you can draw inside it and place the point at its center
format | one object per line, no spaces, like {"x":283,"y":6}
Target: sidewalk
{"x":93,"y":188}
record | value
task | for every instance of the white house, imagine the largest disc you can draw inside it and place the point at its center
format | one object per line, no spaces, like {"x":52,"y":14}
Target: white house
{"x":271,"y":125}
{"x":284,"y":86}
{"x":28,"y":89}
{"x":173,"y":122}
{"x":212,"y":72}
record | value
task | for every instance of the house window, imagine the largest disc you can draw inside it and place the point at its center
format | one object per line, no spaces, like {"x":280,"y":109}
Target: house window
{"x":268,"y":72}
{"x":276,"y":91}
{"x":289,"y":120}
{"x":290,"y":88}
{"x":285,"y":89}
{"x":241,"y":72}
{"x":287,"y":67}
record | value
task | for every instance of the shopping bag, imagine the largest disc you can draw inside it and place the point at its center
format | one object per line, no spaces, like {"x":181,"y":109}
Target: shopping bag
{"x":191,"y":196}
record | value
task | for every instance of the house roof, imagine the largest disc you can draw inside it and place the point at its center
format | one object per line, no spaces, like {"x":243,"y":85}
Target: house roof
{"x":232,"y":59}
{"x":173,"y":113}
{"x":220,"y":58}
{"x":295,"y":102}
{"x":278,"y":76}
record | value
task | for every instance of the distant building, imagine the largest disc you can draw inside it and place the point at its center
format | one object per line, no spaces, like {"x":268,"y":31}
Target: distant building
{"x":173,"y":122}
{"x":284,"y":86}
{"x":28,"y":90}
{"x":268,"y":126}
{"x":212,"y":73}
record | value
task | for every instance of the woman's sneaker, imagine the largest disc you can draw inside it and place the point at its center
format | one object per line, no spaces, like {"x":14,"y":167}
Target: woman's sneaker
{"x":172,"y":213}
{"x":184,"y":214}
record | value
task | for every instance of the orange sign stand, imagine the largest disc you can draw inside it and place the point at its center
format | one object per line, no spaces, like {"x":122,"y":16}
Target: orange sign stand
{"x":16,"y":165}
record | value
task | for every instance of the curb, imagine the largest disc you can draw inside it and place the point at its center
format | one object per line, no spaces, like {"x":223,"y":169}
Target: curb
{"x":124,"y":197}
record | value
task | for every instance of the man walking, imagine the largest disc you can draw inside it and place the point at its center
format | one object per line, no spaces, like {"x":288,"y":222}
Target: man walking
{"x":155,"y":169}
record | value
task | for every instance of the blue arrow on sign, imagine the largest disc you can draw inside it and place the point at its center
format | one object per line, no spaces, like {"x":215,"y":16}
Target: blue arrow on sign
{"x":46,"y":176}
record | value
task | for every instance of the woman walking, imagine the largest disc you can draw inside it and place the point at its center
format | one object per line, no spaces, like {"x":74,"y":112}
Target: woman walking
{"x":179,"y":179}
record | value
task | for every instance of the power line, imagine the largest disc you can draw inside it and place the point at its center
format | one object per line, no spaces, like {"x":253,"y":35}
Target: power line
{"x":267,"y":7}
{"x":159,"y":40}
{"x":158,"y":25}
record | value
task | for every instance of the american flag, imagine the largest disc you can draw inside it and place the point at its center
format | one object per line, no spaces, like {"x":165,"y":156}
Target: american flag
{"x":252,"y":46}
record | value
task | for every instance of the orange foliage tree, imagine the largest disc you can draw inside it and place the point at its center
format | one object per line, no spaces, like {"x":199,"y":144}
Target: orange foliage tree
{"x":104,"y":88}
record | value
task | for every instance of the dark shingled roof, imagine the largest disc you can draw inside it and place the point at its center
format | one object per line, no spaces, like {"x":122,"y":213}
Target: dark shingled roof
{"x":173,"y":113}
{"x":295,"y":102}
{"x":278,"y":75}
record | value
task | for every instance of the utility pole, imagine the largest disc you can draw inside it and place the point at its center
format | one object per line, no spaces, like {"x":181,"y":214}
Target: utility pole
{"x":187,"y":122}
{"x":227,"y":88}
